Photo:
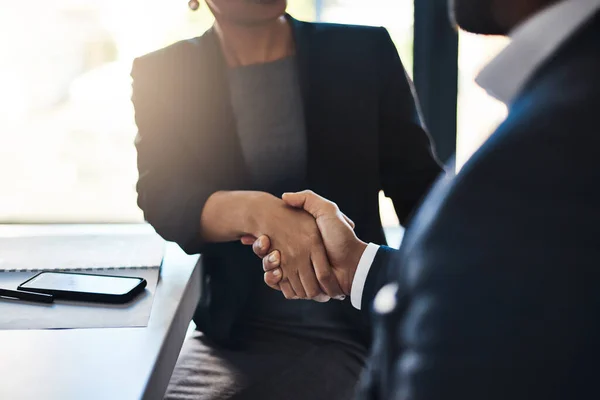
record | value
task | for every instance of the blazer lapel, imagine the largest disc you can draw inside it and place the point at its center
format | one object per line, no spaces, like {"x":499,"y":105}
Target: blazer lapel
{"x":301,"y":39}
{"x":315,"y":176}
{"x":213,"y":129}
{"x":323,"y":165}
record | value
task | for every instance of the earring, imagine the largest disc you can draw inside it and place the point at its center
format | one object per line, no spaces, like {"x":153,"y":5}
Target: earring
{"x":193,"y":5}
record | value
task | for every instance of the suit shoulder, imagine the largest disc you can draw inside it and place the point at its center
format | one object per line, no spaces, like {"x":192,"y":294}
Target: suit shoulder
{"x":574,"y":110}
{"x":332,"y":27}
{"x":164,"y":59}
{"x":360,"y":32}
{"x":350,"y":41}
{"x":160,"y":54}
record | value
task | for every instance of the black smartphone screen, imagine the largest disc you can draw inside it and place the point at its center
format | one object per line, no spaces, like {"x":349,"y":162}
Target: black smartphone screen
{"x":84,"y":286}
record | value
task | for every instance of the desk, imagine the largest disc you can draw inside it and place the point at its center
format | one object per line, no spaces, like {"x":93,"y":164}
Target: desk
{"x":103,"y":364}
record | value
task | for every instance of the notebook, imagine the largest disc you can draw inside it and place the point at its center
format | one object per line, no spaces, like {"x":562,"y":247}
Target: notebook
{"x":81,"y":252}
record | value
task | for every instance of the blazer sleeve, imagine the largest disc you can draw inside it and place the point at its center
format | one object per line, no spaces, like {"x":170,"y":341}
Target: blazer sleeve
{"x":407,"y":162}
{"x":382,"y":271}
{"x":171,"y":191}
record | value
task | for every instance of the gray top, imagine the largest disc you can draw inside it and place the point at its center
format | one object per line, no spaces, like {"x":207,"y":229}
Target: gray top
{"x":267,"y":103}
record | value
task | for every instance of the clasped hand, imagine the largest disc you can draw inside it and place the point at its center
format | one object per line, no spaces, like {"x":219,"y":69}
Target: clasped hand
{"x":314,"y":258}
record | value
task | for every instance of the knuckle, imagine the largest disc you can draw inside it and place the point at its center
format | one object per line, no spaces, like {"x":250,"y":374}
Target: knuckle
{"x":332,"y":208}
{"x":324,"y":275}
{"x":300,"y":293}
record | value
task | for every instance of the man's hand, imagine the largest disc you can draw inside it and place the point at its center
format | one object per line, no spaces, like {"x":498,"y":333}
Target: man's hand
{"x":304,"y":271}
{"x":344,"y":249}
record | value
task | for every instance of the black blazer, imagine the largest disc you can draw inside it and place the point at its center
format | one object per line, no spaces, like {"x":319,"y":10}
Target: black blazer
{"x":499,"y":275}
{"x":363,"y":135}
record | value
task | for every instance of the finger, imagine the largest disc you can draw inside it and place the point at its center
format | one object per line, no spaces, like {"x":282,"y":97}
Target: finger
{"x":310,"y":202}
{"x":288,"y":291}
{"x":309,"y":282}
{"x":273,"y":278}
{"x":272,"y":261}
{"x":296,"y":283}
{"x":296,"y":200}
{"x":314,"y":204}
{"x":324,"y":272}
{"x":349,"y":221}
{"x":262,"y":246}
{"x":248,"y":240}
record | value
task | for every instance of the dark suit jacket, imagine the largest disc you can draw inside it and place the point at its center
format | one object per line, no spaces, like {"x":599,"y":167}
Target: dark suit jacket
{"x":363,"y":135}
{"x":499,"y":274}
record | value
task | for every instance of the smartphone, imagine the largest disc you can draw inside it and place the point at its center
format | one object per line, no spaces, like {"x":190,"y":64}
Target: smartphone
{"x":85,"y":287}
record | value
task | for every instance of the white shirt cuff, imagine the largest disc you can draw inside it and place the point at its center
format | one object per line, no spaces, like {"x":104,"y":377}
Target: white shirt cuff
{"x":360,"y":277}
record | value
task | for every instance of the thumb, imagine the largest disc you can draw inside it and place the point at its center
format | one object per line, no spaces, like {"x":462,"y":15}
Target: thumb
{"x":311,"y":202}
{"x":295,"y":200}
{"x":349,"y":221}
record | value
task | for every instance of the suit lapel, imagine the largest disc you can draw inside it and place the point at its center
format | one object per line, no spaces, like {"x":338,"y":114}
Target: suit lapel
{"x":428,"y":212}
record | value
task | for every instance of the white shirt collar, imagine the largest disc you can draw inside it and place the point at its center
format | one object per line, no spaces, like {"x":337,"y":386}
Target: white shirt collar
{"x":533,"y":43}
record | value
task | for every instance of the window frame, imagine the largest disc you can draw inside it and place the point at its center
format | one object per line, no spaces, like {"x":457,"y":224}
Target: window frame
{"x":435,"y":73}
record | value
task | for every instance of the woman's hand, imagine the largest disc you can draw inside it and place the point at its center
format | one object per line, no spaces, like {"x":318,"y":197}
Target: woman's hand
{"x":305,"y":271}
{"x":344,"y":249}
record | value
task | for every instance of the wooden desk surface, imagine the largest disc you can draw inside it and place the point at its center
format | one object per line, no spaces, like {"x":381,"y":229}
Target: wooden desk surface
{"x":103,"y":364}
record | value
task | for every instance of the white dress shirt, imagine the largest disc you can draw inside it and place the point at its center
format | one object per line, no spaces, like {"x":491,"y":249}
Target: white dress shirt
{"x":533,"y":43}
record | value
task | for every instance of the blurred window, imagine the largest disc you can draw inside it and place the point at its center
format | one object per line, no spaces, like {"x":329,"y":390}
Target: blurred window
{"x":478,"y":113}
{"x":66,"y":120}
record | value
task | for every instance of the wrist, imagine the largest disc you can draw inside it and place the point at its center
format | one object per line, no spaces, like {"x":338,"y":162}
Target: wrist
{"x":255,"y":212}
{"x":229,"y":215}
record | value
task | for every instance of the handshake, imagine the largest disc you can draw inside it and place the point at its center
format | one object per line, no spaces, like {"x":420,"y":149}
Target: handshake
{"x":308,"y":247}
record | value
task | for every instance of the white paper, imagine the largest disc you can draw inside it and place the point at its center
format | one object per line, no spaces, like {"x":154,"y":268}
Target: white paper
{"x":21,"y":315}
{"x":80,"y":252}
